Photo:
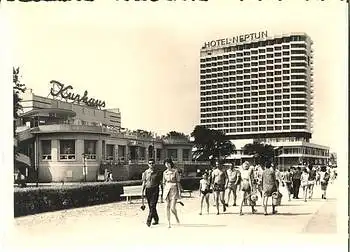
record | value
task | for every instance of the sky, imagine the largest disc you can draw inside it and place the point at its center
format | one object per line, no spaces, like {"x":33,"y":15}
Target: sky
{"x":143,"y":57}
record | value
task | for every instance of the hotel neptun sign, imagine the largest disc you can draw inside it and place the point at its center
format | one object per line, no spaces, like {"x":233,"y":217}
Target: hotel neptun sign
{"x":245,"y":38}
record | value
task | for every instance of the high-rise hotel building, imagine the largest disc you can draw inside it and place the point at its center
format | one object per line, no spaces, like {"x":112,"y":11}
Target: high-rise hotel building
{"x":258,"y":87}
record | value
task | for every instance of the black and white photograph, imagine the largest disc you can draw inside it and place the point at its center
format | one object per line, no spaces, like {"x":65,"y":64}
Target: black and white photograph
{"x":170,"y":123}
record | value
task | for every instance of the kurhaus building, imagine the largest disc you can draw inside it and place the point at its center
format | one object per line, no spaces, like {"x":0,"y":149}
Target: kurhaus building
{"x":69,"y":137}
{"x":257,"y":87}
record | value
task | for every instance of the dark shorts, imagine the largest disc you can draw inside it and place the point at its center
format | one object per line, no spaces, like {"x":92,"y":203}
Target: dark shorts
{"x":219,"y":187}
{"x":232,"y":186}
{"x":205,"y":192}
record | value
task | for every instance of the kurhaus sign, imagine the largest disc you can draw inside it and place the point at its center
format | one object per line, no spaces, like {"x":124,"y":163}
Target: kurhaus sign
{"x":234,"y":40}
{"x":59,"y":89}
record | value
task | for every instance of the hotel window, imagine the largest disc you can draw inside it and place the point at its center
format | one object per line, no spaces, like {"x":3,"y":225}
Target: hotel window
{"x":110,"y":150}
{"x":46,"y":149}
{"x":90,"y":149}
{"x":172,"y":153}
{"x":67,"y":149}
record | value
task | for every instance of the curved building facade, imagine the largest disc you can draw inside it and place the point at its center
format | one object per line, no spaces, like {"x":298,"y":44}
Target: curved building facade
{"x":61,"y":141}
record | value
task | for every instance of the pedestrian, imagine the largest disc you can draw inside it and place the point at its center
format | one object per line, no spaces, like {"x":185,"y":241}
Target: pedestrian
{"x":151,"y":180}
{"x":332,"y":175}
{"x":304,"y":179}
{"x":172,"y":189}
{"x":212,"y":168}
{"x":296,"y":182}
{"x":324,"y":179}
{"x":234,"y":177}
{"x":219,"y":180}
{"x":246,"y":186}
{"x":312,"y":180}
{"x":318,"y":176}
{"x":287,"y":180}
{"x":204,"y":191}
{"x":278,"y":175}
{"x":270,"y":186}
{"x":259,"y":180}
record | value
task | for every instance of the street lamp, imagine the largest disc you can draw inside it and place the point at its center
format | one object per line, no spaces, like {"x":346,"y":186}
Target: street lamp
{"x":84,"y":165}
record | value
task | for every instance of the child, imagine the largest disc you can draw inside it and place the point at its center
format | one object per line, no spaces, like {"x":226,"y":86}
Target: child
{"x":204,"y":190}
{"x":304,"y":179}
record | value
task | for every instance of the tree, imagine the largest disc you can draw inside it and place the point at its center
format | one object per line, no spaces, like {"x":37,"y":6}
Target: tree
{"x":18,"y":89}
{"x":262,"y":153}
{"x":210,"y":144}
{"x":333,"y":159}
{"x":175,"y":134}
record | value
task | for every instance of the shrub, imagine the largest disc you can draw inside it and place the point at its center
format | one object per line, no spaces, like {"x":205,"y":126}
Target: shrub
{"x":33,"y":200}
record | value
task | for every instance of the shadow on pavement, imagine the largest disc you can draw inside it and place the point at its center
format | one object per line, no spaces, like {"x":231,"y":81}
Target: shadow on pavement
{"x":201,"y":225}
{"x":291,"y":214}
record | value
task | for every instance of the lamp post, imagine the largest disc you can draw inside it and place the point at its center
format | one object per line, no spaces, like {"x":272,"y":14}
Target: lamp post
{"x":84,"y":166}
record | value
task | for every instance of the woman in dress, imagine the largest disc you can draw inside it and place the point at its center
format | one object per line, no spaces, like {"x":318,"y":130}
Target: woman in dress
{"x":304,"y":182}
{"x":270,"y":186}
{"x":172,"y":189}
{"x":324,"y":178}
{"x":246,"y":186}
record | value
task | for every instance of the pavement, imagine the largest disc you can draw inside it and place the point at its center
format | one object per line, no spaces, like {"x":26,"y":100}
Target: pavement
{"x":123,"y":224}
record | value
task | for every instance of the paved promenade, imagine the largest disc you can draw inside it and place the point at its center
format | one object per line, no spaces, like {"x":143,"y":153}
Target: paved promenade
{"x":124,"y":224}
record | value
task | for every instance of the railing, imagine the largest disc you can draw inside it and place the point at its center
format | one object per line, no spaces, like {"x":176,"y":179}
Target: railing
{"x":176,"y":141}
{"x":46,"y":157}
{"x":90,"y":156}
{"x":70,"y":128}
{"x":67,"y":156}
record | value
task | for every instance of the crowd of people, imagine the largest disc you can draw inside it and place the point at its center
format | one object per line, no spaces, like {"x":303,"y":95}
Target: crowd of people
{"x":249,"y":181}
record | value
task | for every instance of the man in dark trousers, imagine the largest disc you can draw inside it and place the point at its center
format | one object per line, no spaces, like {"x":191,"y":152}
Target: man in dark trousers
{"x":151,"y":179}
{"x":296,"y":182}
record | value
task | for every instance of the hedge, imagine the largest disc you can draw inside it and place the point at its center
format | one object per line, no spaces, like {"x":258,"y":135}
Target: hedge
{"x":45,"y":198}
{"x":33,"y":200}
